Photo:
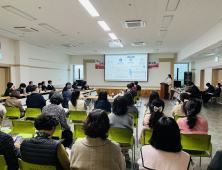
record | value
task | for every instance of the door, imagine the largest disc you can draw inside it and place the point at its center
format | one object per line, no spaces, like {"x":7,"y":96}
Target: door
{"x":202,"y":72}
{"x":2,"y":80}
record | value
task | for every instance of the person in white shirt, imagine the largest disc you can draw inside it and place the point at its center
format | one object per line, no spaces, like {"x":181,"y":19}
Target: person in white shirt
{"x":169,"y":82}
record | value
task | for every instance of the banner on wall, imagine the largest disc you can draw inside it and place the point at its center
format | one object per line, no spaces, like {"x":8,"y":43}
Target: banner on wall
{"x":100,"y":64}
{"x":153,"y":63}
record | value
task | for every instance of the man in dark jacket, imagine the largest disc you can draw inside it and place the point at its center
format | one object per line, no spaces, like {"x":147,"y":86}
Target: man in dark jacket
{"x":50,"y":86}
{"x":28,"y":88}
{"x":195,"y":93}
{"x":208,"y":96}
{"x":35,"y":100}
{"x":130,"y":90}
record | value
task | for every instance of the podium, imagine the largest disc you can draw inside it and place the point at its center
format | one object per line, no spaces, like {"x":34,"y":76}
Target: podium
{"x":164,"y":91}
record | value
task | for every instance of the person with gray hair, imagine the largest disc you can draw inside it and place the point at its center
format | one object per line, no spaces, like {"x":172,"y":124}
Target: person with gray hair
{"x":8,"y":148}
{"x":55,"y":100}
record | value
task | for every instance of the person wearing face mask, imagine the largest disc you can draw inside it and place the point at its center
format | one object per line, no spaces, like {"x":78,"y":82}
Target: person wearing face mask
{"x":216,"y":93}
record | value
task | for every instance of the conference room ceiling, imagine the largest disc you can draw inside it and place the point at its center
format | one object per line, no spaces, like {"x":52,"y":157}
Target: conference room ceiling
{"x":190,"y":20}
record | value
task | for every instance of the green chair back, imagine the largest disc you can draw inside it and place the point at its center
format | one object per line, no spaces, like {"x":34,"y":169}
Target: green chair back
{"x":2,"y":95}
{"x":147,"y":134}
{"x":32,"y":112}
{"x":139,"y":93}
{"x":177,"y":117}
{"x":25,"y":166}
{"x":58,"y":131}
{"x":135,"y":119}
{"x":107,"y":113}
{"x":3,"y":165}
{"x":24,"y":127}
{"x":77,"y":115}
{"x":120,"y":135}
{"x":12,"y":112}
{"x":78,"y":131}
{"x":135,"y":98}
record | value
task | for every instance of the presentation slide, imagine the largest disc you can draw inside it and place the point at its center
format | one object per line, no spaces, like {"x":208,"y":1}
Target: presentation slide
{"x":131,"y":67}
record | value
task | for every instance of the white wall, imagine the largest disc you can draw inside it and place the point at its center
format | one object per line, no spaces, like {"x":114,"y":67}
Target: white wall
{"x":7,"y":50}
{"x":197,"y":78}
{"x":207,"y":76}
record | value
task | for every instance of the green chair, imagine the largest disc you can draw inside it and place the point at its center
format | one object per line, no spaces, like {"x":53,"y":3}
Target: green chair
{"x":107,"y":113}
{"x":32,"y":112}
{"x":147,"y":134}
{"x":217,"y":99}
{"x":121,"y":135}
{"x":177,"y":117}
{"x":135,"y":121}
{"x":77,"y":115}
{"x":2,"y":95}
{"x":58,"y":131}
{"x":3,"y":165}
{"x":12,"y":112}
{"x":78,"y":132}
{"x":6,"y":131}
{"x":25,"y":129}
{"x":25,"y":166}
{"x":197,"y":145}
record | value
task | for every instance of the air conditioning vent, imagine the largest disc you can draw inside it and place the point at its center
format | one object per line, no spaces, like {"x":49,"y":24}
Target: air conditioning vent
{"x":69,"y":46}
{"x":138,"y":44}
{"x":25,"y":29}
{"x":133,"y":24}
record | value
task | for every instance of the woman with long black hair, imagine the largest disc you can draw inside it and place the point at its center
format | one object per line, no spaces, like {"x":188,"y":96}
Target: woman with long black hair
{"x":75,"y":104}
{"x":102,"y":102}
{"x":153,"y":95}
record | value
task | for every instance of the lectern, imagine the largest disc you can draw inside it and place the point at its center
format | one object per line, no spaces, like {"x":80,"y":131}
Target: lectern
{"x":164,"y":91}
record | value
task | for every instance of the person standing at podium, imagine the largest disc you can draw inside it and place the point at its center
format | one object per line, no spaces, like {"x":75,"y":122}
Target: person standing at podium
{"x":169,"y":82}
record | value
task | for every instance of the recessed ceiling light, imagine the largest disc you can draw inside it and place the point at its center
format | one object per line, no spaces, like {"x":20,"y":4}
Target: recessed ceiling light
{"x":104,"y":25}
{"x":166,"y":21}
{"x":67,"y":36}
{"x":27,"y":38}
{"x":172,"y":5}
{"x":6,"y":32}
{"x":158,"y":42}
{"x":50,"y":28}
{"x":217,"y":49}
{"x":162,"y":33}
{"x":89,"y":7}
{"x":207,"y":54}
{"x":18,"y":12}
{"x":113,"y":36}
{"x":155,"y":50}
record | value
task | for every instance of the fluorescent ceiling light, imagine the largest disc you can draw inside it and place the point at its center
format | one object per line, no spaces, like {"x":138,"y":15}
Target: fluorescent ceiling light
{"x":89,"y":7}
{"x":27,"y":38}
{"x":155,"y":50}
{"x":50,"y":28}
{"x":166,"y":21}
{"x":104,"y":25}
{"x":83,"y":45}
{"x":162,"y":33}
{"x":6,"y":32}
{"x":217,"y":49}
{"x":207,"y":54}
{"x":121,"y":45}
{"x":18,"y":12}
{"x":113,"y":36}
{"x":172,"y":5}
{"x":158,"y":42}
{"x":67,"y":36}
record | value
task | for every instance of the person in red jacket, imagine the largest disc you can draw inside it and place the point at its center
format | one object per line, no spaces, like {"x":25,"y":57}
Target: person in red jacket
{"x":133,"y":87}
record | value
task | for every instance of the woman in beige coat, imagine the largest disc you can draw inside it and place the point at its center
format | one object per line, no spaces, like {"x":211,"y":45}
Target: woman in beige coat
{"x":96,"y":151}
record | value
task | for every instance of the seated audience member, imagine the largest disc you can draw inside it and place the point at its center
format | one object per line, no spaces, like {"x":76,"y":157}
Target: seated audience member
{"x":9,"y":89}
{"x":85,"y":86}
{"x":130,"y":90}
{"x":119,"y":118}
{"x":150,"y":120}
{"x":102,"y":102}
{"x":40,"y":87}
{"x":137,"y":86}
{"x":14,"y":102}
{"x":65,"y":88}
{"x":8,"y":148}
{"x":21,"y":88}
{"x":130,"y":103}
{"x":96,"y":127}
{"x":216,"y":163}
{"x":43,"y":150}
{"x":195,"y":93}
{"x":165,"y":149}
{"x":54,"y":108}
{"x":50,"y":86}
{"x":193,"y":124}
{"x":210,"y":88}
{"x":153,"y":95}
{"x":186,"y":87}
{"x":35,"y":100}
{"x":74,"y":86}
{"x":178,"y":110}
{"x":133,"y":86}
{"x":44,"y":88}
{"x":68,"y":93}
{"x":75,"y":104}
{"x":28,"y":88}
{"x":216,"y":93}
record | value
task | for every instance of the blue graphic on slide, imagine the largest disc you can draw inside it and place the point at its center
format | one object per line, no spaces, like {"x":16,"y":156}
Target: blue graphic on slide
{"x":120,"y":59}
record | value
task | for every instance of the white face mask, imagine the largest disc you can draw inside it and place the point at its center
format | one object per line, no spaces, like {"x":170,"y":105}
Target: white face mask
{"x":216,"y":85}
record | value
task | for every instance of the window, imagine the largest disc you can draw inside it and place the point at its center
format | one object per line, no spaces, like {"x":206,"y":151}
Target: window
{"x":182,"y":68}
